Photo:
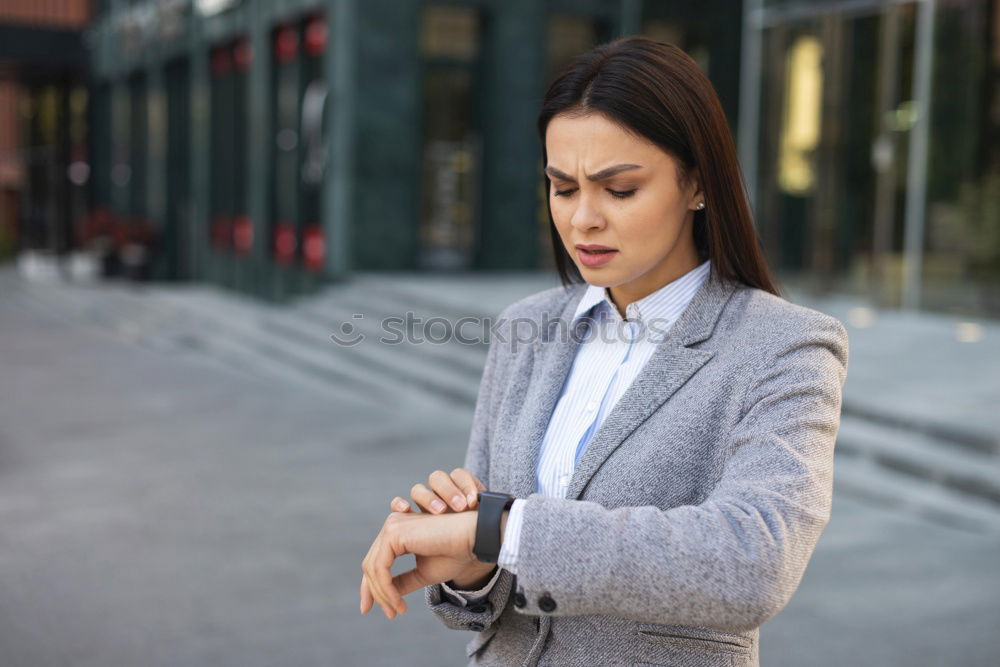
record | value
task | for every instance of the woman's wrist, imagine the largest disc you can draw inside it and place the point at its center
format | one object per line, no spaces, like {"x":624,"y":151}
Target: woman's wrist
{"x":475,"y":578}
{"x":479,"y":574}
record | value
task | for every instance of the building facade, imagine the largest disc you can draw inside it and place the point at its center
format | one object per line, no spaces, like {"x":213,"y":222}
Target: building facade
{"x":876,"y":147}
{"x":274,"y":145}
{"x":44,"y":165}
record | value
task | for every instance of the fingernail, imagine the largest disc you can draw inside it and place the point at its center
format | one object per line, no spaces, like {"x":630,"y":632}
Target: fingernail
{"x":458,"y":502}
{"x":472,"y":499}
{"x":437,"y":505}
{"x":401,"y":505}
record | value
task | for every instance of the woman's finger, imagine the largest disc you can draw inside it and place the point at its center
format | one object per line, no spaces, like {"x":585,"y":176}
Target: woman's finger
{"x":382,"y":561}
{"x":377,"y":596}
{"x":367,"y":566}
{"x":399,"y":505}
{"x":470,"y":485}
{"x":368,"y":600}
{"x":444,"y":486}
{"x":366,"y":596}
{"x":407,"y":582}
{"x":427,"y":500}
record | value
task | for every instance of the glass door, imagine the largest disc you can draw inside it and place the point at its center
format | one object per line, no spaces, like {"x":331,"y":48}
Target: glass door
{"x":451,"y":151}
{"x":832,"y":173}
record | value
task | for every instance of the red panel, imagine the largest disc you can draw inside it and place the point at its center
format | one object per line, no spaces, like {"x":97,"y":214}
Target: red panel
{"x":315,"y":35}
{"x":243,"y":234}
{"x":313,"y":248}
{"x":221,"y":232}
{"x":286,"y":44}
{"x":222,"y":62}
{"x":284,"y":243}
{"x":242,"y":55}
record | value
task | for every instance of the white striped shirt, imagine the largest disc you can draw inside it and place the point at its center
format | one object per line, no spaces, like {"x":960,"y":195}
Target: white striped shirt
{"x":610,"y":356}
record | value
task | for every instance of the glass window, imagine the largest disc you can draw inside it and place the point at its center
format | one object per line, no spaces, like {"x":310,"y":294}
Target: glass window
{"x":451,"y":155}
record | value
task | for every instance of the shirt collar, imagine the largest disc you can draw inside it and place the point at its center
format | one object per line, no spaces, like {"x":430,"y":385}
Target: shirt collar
{"x":664,"y":305}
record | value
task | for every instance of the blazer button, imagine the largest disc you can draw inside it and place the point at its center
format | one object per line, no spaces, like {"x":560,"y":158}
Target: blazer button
{"x":478,"y":627}
{"x":546,"y":604}
{"x":477,"y":608}
{"x":519,"y":600}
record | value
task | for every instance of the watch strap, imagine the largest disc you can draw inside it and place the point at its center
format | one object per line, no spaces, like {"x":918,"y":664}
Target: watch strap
{"x":491,"y":509}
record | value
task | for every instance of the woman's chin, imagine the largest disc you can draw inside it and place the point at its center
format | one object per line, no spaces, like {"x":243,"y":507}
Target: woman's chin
{"x":600,"y":276}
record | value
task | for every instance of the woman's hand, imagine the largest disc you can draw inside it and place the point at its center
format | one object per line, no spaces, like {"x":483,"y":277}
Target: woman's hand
{"x":442,"y":546}
{"x":460,"y":488}
{"x":456,"y":492}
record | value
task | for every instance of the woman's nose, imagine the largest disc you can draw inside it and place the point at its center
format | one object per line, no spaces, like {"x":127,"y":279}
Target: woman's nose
{"x":586,"y":216}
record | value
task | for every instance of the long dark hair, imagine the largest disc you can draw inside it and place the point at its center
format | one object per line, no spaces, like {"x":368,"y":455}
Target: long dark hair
{"x":657,"y":91}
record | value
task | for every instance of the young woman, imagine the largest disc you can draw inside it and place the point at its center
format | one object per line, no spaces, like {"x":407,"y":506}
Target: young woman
{"x":656,"y":465}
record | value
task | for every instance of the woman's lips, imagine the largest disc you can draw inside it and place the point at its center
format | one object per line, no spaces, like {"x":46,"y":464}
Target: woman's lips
{"x":595,"y":258}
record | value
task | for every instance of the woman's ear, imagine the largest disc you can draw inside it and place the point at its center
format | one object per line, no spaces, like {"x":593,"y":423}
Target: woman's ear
{"x":694,"y":186}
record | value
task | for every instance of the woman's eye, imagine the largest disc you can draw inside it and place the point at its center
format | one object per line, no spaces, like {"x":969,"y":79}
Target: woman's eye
{"x":619,"y":194}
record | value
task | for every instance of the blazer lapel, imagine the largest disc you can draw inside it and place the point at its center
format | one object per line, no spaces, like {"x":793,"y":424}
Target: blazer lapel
{"x":670,"y":366}
{"x":551,"y":359}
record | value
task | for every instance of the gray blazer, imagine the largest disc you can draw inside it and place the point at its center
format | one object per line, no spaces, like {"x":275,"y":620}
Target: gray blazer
{"x":695,"y":508}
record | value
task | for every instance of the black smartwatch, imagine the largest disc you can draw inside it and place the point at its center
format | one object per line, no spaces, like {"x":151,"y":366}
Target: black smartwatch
{"x":491,"y":509}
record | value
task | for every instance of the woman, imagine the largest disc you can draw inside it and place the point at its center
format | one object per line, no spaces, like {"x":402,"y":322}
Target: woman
{"x":668,"y":434}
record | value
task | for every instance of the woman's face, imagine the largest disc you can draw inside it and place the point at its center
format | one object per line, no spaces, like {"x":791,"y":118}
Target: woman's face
{"x":634,"y":206}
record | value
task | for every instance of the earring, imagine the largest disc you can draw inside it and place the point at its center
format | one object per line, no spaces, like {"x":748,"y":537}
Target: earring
{"x":700,"y":205}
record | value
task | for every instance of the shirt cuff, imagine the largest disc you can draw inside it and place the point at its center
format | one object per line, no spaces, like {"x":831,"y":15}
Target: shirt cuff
{"x":511,"y":537}
{"x":461,"y":597}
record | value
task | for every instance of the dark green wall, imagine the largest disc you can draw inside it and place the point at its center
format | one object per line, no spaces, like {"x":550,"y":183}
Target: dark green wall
{"x":514,"y":62}
{"x":387,"y":135}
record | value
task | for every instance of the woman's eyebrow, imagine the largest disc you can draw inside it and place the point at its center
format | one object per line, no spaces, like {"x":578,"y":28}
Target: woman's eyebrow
{"x":599,"y":176}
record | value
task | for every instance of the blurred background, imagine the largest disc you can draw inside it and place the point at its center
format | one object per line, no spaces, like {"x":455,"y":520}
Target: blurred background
{"x":195,"y":195}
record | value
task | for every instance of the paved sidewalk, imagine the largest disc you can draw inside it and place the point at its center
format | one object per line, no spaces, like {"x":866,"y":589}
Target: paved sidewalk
{"x":161,"y":510}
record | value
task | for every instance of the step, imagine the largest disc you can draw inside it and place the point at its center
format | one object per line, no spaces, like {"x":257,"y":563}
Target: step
{"x":863,"y":478}
{"x":398,"y":368}
{"x":221,"y":319}
{"x":365,"y":361}
{"x":917,"y":454}
{"x":465,"y":359}
{"x":986,"y":443}
{"x":477,"y":293}
{"x":171,"y":318}
{"x":151,"y":319}
{"x":415,"y":300}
